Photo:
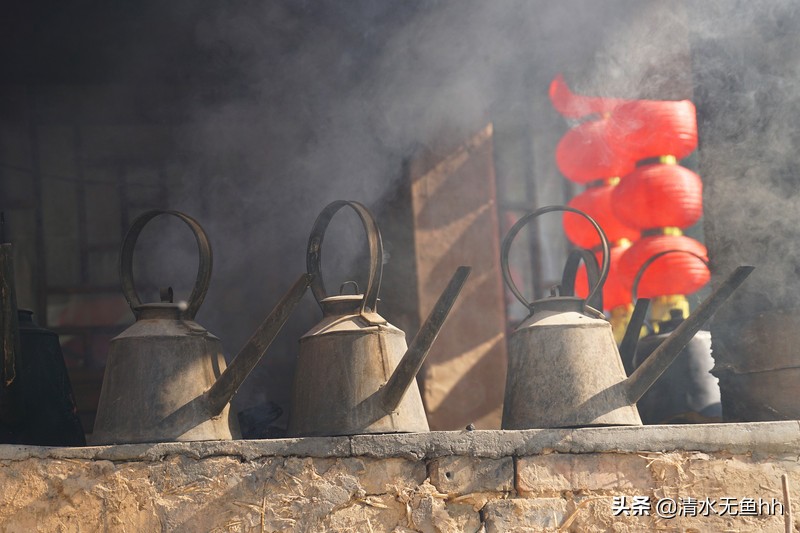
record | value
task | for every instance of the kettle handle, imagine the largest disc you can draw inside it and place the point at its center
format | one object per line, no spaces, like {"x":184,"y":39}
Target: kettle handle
{"x":314,"y":255}
{"x":568,"y":277}
{"x":203,"y":270}
{"x":652,"y":259}
{"x":512,"y":233}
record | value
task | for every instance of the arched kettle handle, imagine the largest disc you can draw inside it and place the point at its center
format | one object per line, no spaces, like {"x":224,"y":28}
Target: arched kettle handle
{"x":314,"y":255}
{"x":512,"y":234}
{"x":652,"y":259}
{"x":570,"y":274}
{"x":203,"y":271}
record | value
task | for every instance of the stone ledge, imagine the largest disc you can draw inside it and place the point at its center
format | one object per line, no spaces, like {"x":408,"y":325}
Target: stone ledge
{"x":759,"y":438}
{"x":450,"y":482}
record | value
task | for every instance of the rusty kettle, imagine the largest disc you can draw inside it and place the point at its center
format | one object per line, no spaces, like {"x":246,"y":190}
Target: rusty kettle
{"x":354,"y":373}
{"x":165,"y":377}
{"x":564,"y":368}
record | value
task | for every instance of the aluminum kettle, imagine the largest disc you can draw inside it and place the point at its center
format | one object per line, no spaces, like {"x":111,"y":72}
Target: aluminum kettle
{"x":564,"y":368}
{"x":165,"y":377}
{"x":354,"y":372}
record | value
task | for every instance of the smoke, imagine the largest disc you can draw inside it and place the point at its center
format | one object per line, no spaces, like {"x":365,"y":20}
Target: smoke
{"x":310,"y":104}
{"x":737,"y":61}
{"x":286,"y":106}
{"x":748,"y":94}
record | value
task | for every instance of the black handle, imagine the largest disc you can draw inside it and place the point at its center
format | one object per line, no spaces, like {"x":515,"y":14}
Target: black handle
{"x":592,"y":275}
{"x":203,"y":270}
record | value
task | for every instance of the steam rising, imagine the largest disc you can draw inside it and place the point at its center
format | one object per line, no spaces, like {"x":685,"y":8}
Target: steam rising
{"x":319,"y":104}
{"x":315,"y":102}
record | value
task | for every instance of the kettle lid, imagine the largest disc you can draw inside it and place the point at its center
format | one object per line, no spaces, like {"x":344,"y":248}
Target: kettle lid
{"x":349,"y":304}
{"x":342,"y":304}
{"x":25,"y":316}
{"x":564,"y":304}
{"x":160,"y":310}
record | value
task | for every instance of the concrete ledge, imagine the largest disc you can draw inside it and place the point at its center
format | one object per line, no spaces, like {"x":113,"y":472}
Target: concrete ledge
{"x":759,"y":438}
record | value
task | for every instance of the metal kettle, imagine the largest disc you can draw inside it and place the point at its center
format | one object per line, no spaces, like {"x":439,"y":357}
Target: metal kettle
{"x":49,"y":407}
{"x":354,"y":372}
{"x":564,"y":366}
{"x":687,"y":392}
{"x":37,"y":405}
{"x":165,"y":377}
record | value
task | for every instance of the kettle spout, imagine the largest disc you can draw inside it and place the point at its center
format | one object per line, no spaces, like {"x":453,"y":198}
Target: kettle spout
{"x":412,"y":361}
{"x":655,"y":365}
{"x":221,"y":392}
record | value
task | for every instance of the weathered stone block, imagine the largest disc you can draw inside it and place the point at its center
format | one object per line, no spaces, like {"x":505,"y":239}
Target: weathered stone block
{"x":429,"y":512}
{"x":463,"y":475}
{"x":376,"y":514}
{"x":722,"y":476}
{"x":554,"y":473}
{"x":523,"y":515}
{"x":376,"y":476}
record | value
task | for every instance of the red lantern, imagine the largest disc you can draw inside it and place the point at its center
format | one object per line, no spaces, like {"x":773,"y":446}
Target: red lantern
{"x":615,"y":291}
{"x":642,"y":129}
{"x":670,"y":274}
{"x":659,"y":195}
{"x":583,"y":154}
{"x":595,"y":202}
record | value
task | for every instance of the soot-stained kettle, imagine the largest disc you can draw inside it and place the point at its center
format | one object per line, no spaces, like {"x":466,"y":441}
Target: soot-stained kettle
{"x":564,"y":368}
{"x":37,"y":406}
{"x":687,"y":392}
{"x":166,"y":378}
{"x":354,"y":372}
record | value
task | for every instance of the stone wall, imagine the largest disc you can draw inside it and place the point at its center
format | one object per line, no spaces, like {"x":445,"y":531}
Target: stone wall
{"x":537,"y":480}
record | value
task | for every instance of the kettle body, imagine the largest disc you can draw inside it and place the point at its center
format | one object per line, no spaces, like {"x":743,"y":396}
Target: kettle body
{"x":155,"y":368}
{"x":564,"y":371}
{"x":687,"y":392}
{"x":343,"y":361}
{"x":41,"y":392}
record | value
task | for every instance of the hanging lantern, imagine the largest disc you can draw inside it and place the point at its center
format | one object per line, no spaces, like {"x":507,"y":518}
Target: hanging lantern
{"x":642,"y":129}
{"x":655,"y":198}
{"x":616,"y":291}
{"x":659,"y":195}
{"x":595,"y":202}
{"x":584,"y":154}
{"x":670,"y":274}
